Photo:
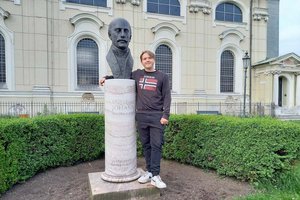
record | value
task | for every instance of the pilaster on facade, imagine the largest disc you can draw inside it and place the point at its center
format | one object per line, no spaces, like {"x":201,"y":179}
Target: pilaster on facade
{"x":297,"y":88}
{"x":260,"y":14}
{"x":133,"y":2}
{"x":276,"y":86}
{"x":203,"y":6}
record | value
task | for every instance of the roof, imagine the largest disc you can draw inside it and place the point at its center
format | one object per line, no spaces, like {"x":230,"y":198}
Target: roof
{"x":277,"y":59}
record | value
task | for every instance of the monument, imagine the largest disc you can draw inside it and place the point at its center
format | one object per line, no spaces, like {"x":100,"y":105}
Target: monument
{"x":120,"y":131}
{"x":119,"y":57}
{"x":117,"y":182}
{"x":119,"y":101}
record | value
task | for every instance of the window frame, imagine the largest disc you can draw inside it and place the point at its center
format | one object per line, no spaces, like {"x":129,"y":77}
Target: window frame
{"x":170,"y":74}
{"x":233,"y":71}
{"x":161,"y":5}
{"x":180,"y":18}
{"x":86,"y":26}
{"x":63,"y":5}
{"x":245,"y":16}
{"x":3,"y":84}
{"x":8,"y":36}
{"x":224,"y":13}
{"x":88,"y":4}
{"x":84,"y":87}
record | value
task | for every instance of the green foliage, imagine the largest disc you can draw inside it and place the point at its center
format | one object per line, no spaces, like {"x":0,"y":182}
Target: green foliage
{"x":255,"y":149}
{"x":28,"y":146}
{"x":285,"y":186}
{"x":246,"y":148}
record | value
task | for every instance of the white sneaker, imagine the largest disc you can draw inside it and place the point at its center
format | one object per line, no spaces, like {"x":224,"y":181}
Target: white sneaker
{"x":145,"y":178}
{"x":157,"y":182}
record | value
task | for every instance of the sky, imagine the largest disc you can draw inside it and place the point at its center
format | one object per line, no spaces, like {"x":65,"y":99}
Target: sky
{"x":289,"y":27}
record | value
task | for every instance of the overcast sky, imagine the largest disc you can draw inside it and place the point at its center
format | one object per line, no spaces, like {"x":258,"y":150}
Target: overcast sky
{"x":289,"y":27}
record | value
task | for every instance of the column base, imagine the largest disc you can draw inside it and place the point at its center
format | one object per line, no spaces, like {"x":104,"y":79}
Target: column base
{"x":121,"y":179}
{"x":103,"y":190}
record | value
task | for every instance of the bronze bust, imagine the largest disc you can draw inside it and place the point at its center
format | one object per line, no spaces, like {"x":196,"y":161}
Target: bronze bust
{"x":119,"y":57}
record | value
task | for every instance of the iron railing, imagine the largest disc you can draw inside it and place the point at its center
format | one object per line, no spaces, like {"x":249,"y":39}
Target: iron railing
{"x":31,"y":109}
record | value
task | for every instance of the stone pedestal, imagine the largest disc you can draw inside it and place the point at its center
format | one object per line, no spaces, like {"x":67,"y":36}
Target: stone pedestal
{"x":103,"y":190}
{"x":120,"y":131}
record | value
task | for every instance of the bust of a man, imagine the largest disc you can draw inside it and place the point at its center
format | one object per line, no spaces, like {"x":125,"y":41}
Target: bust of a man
{"x":119,"y":57}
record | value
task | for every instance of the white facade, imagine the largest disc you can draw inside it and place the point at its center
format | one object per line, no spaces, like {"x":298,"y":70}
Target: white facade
{"x":277,"y":80}
{"x":41,"y":37}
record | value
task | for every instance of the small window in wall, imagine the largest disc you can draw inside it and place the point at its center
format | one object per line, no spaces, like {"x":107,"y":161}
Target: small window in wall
{"x":227,"y":72}
{"x":2,"y":62}
{"x":87,"y":64}
{"x":229,"y":12}
{"x":164,"y":61}
{"x":167,"y":7}
{"x":101,"y":3}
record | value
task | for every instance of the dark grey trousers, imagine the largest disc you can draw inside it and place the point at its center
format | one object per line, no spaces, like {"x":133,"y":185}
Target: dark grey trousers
{"x":151,"y":136}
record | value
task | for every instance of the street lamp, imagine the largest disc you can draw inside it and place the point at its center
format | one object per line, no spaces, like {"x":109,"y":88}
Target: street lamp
{"x":246,"y":63}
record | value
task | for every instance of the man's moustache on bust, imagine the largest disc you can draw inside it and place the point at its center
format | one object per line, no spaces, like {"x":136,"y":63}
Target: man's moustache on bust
{"x":122,"y":40}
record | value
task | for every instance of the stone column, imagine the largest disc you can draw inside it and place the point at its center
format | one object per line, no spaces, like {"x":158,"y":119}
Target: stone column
{"x":275,"y":87}
{"x":298,"y":89}
{"x":120,"y":131}
{"x":291,"y":91}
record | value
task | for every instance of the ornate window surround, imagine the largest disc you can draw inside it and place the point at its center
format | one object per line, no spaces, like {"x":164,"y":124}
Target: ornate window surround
{"x":86,"y":26}
{"x":181,"y":18}
{"x":245,"y":12}
{"x":165,"y":33}
{"x":9,"y":51}
{"x":231,"y":40}
{"x":63,"y":5}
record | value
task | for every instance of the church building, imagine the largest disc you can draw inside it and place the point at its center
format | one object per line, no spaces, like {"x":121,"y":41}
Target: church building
{"x":54,"y":52}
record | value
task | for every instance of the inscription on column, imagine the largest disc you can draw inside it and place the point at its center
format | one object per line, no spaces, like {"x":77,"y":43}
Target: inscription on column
{"x":120,"y":134}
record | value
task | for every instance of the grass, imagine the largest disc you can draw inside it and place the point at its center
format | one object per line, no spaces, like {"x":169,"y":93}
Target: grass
{"x":285,"y":187}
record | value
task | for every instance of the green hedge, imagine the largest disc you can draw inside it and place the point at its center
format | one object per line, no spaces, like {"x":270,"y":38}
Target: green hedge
{"x":245,"y":148}
{"x":28,"y":146}
{"x":248,"y":149}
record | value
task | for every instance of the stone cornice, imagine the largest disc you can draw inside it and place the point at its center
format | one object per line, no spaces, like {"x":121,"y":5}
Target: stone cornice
{"x":200,"y":5}
{"x":133,"y":2}
{"x":166,"y":25}
{"x":260,"y":13}
{"x":231,"y":31}
{"x":85,"y":16}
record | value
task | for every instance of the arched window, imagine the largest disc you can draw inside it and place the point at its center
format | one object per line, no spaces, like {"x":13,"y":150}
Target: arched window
{"x":164,"y":61}
{"x":227,"y":72}
{"x":229,"y":12}
{"x":101,"y":3}
{"x":87,"y":64}
{"x":167,"y":7}
{"x":2,"y":62}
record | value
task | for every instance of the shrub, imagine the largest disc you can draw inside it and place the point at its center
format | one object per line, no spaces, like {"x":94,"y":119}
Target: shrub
{"x":28,"y":146}
{"x":245,"y":148}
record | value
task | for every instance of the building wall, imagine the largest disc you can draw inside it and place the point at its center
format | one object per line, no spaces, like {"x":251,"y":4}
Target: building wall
{"x":273,"y":29}
{"x":45,"y":33}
